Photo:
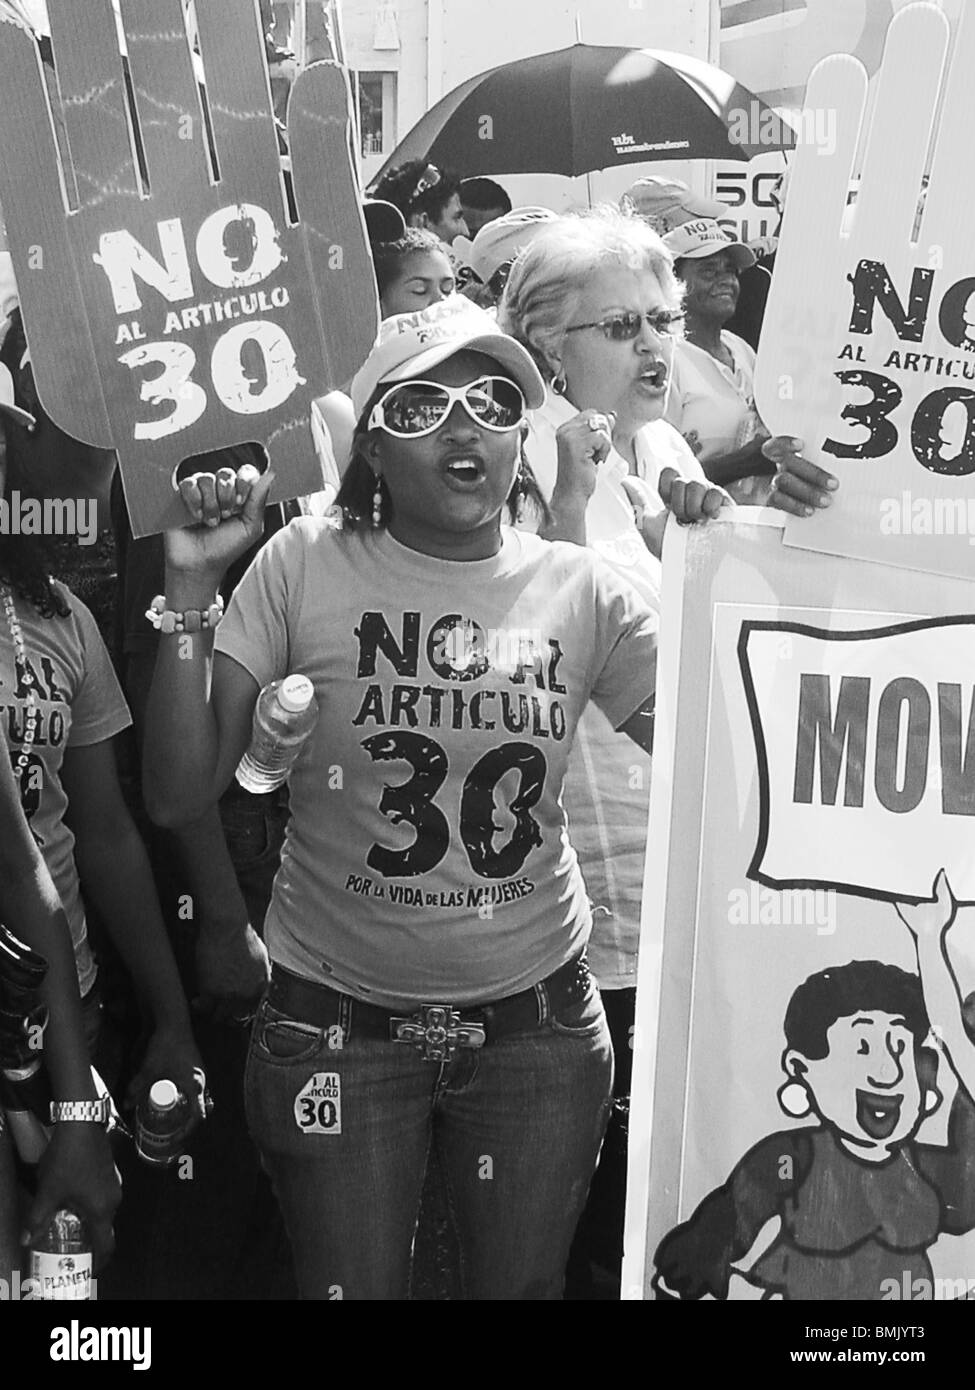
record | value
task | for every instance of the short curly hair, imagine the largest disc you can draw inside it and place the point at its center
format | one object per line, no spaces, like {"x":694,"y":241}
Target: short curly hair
{"x":844,"y":990}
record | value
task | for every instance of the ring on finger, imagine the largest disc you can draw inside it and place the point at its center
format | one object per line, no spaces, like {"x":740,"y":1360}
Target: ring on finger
{"x":595,"y":422}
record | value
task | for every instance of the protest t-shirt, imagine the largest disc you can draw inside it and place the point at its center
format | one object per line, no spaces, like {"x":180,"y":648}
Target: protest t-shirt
{"x":427,"y":856}
{"x":79,"y":703}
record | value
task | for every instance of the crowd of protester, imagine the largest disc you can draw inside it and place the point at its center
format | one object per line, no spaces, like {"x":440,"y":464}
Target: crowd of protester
{"x":546,"y":391}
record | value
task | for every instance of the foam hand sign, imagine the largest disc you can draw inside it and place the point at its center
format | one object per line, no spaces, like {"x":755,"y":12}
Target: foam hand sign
{"x":868,"y":346}
{"x":175,"y":301}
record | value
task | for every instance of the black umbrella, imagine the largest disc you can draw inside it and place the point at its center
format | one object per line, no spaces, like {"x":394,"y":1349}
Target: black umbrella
{"x":589,"y":107}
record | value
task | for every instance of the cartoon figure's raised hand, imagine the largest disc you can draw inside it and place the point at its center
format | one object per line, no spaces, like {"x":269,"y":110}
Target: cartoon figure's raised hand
{"x":863,"y":352}
{"x":951,"y":1018}
{"x":930,"y":921}
{"x":175,"y":301}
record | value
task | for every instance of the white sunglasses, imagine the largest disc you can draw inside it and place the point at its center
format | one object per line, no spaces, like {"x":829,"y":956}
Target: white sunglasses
{"x":411,"y":409}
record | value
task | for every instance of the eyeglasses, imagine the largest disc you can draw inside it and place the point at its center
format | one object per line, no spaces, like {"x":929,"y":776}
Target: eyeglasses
{"x":411,"y":409}
{"x":623,"y":328}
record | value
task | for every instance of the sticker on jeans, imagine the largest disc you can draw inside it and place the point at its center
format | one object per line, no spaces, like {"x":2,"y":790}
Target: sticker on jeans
{"x":318,"y":1105}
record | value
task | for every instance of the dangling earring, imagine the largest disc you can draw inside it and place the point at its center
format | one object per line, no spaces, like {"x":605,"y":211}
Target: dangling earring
{"x":519,"y":496}
{"x":520,"y":490}
{"x":377,"y":504}
{"x":559,"y":384}
{"x":794,"y":1099}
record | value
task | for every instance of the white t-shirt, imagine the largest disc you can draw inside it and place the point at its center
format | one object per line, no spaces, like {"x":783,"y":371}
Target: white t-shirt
{"x":607,"y":788}
{"x":610,"y":527}
{"x":427,"y":856}
{"x":79,"y":703}
{"x":713,"y":406}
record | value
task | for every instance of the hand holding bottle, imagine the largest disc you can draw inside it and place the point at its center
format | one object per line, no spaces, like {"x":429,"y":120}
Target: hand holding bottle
{"x":77,"y":1171}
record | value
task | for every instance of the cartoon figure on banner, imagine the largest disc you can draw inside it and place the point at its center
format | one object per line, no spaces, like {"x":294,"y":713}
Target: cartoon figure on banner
{"x":859,"y":1199}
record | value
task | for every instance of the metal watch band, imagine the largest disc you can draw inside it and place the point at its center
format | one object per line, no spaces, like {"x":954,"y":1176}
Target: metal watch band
{"x":85,"y":1111}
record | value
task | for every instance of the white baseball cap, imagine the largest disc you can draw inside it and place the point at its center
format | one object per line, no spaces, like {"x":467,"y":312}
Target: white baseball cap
{"x":7,"y":400}
{"x":666,"y":203}
{"x":410,"y":344}
{"x":704,"y":237}
{"x":500,"y":241}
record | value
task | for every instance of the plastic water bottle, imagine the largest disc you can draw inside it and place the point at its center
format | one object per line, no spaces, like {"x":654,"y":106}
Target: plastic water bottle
{"x":162,"y":1122}
{"x":60,"y":1261}
{"x":285,"y":714}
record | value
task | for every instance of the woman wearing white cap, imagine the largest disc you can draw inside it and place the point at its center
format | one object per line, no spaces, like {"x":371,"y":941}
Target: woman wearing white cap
{"x":429,"y":920}
{"x":712,"y":396}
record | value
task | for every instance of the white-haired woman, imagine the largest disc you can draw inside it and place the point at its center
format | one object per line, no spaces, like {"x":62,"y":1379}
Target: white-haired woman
{"x":595,"y":300}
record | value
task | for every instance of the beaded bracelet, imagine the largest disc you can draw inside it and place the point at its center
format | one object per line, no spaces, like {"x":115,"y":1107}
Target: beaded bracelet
{"x":165,"y":620}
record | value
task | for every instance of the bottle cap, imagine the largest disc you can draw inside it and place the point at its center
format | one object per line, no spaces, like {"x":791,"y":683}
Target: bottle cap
{"x":296,"y":693}
{"x":163,"y":1095}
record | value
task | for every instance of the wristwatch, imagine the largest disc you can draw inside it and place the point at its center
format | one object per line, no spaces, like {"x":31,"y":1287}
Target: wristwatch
{"x":92,"y":1112}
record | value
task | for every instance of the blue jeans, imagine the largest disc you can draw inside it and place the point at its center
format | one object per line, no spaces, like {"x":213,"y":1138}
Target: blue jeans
{"x":518,"y":1123}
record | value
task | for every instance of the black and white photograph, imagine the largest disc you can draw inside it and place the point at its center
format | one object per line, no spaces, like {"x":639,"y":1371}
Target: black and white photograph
{"x":487,"y":666}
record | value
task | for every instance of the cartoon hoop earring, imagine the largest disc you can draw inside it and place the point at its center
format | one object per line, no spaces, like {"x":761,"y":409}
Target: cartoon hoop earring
{"x":559,"y":384}
{"x":793,"y":1097}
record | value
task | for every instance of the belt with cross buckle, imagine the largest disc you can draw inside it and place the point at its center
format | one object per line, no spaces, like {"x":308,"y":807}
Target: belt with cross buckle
{"x":436,"y":1031}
